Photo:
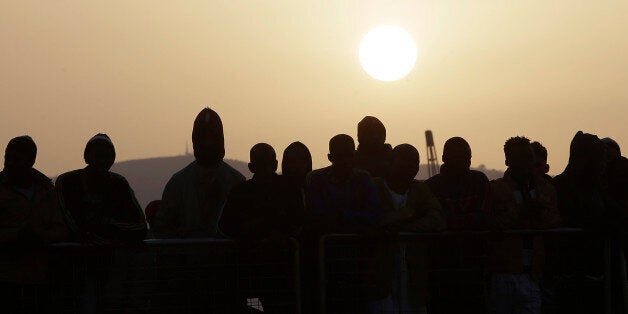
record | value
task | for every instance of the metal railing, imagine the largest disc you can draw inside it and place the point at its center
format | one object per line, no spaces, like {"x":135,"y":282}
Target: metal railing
{"x":169,"y":276}
{"x":463,"y":261}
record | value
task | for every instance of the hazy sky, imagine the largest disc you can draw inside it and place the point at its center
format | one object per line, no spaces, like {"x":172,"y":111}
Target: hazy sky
{"x":280,"y":71}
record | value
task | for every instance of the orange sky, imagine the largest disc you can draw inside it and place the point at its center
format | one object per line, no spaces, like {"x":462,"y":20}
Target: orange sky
{"x":288,"y":70}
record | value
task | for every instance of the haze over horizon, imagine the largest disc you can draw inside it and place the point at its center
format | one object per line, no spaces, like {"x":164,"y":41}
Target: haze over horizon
{"x":283,"y":71}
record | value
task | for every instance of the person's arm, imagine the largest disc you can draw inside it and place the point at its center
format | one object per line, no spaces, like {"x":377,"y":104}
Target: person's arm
{"x":55,"y":228}
{"x":131,"y":223}
{"x":319,"y":215}
{"x":428,"y":215}
{"x":167,"y":221}
{"x":545,"y":213}
{"x":501,"y":215}
{"x":235,"y":222}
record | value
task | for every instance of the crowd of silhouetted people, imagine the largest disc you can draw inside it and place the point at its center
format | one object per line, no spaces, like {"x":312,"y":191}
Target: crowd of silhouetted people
{"x":369,"y":190}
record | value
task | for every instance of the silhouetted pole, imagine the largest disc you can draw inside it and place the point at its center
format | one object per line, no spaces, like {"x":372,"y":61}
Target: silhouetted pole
{"x":432,"y":161}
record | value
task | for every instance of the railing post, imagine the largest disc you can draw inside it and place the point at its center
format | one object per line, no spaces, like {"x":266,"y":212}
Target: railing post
{"x":608,"y":301}
{"x":322,"y":288}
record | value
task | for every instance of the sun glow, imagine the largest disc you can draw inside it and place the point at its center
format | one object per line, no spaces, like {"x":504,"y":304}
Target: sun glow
{"x":388,"y":53}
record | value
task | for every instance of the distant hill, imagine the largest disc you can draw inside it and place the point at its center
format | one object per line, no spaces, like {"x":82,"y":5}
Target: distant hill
{"x":148,"y":177}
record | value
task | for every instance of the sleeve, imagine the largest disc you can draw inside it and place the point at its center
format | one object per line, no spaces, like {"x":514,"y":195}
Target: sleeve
{"x":501,"y":215}
{"x":314,"y":195}
{"x":428,"y":214}
{"x":548,"y":215}
{"x":55,"y":228}
{"x":60,"y":187}
{"x":234,"y":223}
{"x":167,"y":220}
{"x":131,"y":222}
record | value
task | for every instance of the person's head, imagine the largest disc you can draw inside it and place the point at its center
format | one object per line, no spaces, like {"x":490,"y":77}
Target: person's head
{"x":208,"y":139}
{"x":540,"y":158}
{"x":263,"y":160}
{"x":296,"y":162}
{"x":99,"y":154}
{"x":519,"y":157}
{"x":371,"y":133}
{"x":19,"y":158}
{"x":457,"y":155}
{"x":612,"y":148}
{"x":342,"y":153}
{"x":587,"y":156}
{"x":405,"y":163}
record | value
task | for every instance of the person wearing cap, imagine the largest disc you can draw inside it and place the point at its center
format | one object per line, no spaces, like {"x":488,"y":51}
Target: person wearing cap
{"x":194,"y":197}
{"x":372,"y":154}
{"x":99,"y":205}
{"x":30,"y":218}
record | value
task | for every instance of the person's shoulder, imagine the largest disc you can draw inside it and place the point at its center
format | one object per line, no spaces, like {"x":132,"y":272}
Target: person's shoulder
{"x":478,"y":175}
{"x":434,"y":179}
{"x":42,"y":179}
{"x":185,"y":172}
{"x":319,"y":172}
{"x":231,"y":172}
{"x":70,"y":176}
{"x":118,"y":178}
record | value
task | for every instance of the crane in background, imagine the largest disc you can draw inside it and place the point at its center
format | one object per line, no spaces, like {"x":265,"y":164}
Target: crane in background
{"x":433,"y":167}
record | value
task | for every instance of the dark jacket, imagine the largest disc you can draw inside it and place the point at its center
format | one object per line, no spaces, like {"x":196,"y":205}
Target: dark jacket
{"x":256,"y":210}
{"x":190,"y":206}
{"x":26,"y":224}
{"x":509,"y":211}
{"x":113,"y":213}
{"x":464,"y":199}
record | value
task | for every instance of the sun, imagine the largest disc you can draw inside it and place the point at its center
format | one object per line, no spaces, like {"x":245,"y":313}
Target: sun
{"x":388,"y":53}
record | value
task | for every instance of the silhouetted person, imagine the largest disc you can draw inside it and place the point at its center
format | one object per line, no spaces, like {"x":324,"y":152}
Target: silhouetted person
{"x":522,"y":199}
{"x":261,"y":214}
{"x":99,"y":205}
{"x":342,"y":199}
{"x":408,"y":206}
{"x":584,"y":202}
{"x":581,"y":197}
{"x":373,"y":154}
{"x":616,"y":173}
{"x":340,"y":195}
{"x":462,"y":192}
{"x":265,"y":207}
{"x":540,"y":160}
{"x":296,"y":163}
{"x":151,"y":210}
{"x":193,"y":198}
{"x":30,"y":218}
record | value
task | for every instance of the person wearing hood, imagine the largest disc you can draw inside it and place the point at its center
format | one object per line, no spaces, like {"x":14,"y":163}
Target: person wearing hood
{"x":30,"y":218}
{"x":194,"y":197}
{"x":616,"y":178}
{"x":582,"y":199}
{"x":296,"y":163}
{"x":100,"y":205}
{"x":373,"y":154}
{"x":462,"y":192}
